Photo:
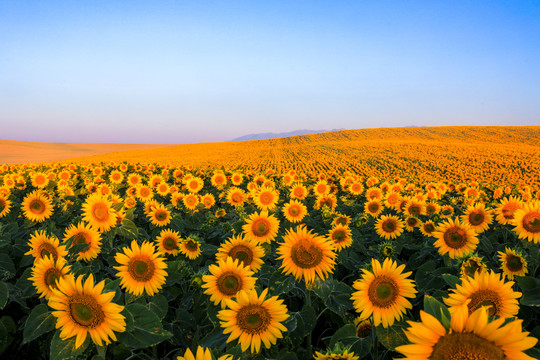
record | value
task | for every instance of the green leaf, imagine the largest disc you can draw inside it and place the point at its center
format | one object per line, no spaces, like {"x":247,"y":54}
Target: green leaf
{"x":429,"y":277}
{"x":65,"y":349}
{"x":216,"y":339}
{"x":346,"y":335}
{"x":147,"y":328}
{"x":7,"y":328}
{"x":348,"y":331}
{"x":280,"y":284}
{"x":7,"y":267}
{"x":530,"y":288}
{"x":159,"y":305}
{"x":434,"y":307}
{"x":451,"y":280}
{"x":128,"y":229}
{"x":77,"y":248}
{"x":39,"y":322}
{"x":309,"y":316}
{"x":336,"y":296}
{"x":393,"y":336}
{"x":4,"y":294}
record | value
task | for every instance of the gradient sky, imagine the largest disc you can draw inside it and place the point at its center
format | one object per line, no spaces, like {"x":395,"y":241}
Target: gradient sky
{"x":195,"y":71}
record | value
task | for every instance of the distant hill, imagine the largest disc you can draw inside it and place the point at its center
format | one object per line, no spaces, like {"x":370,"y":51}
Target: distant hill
{"x":262,"y":136}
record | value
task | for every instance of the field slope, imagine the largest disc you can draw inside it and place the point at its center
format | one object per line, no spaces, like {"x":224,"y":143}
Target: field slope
{"x":500,"y":155}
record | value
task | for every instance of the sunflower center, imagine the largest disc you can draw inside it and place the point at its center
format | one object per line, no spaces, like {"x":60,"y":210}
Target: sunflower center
{"x":514,"y":263}
{"x":298,"y":192}
{"x":465,"y":346}
{"x":531,"y":222}
{"x":141,"y":269}
{"x":338,"y":236}
{"x":79,"y":238}
{"x":389,"y":226}
{"x":37,"y":206}
{"x":253,"y":319}
{"x":476,"y":218}
{"x":430,"y":209}
{"x":161,"y":215}
{"x":414,"y":210}
{"x":471,"y":267}
{"x":2,"y":205}
{"x":100,"y":212}
{"x":455,"y":237}
{"x":192,"y":245}
{"x":229,"y":283}
{"x":266,"y":199}
{"x":429,"y":228}
{"x":169,"y":243}
{"x":85,"y":311}
{"x":412,"y":222}
{"x":305,"y":254}
{"x":51,"y":277}
{"x":485,"y":298}
{"x":47,"y":249}
{"x":383,"y":291}
{"x":373,"y":208}
{"x":364,"y":329}
{"x":260,"y":227}
{"x":242,"y":253}
{"x":294,"y":211}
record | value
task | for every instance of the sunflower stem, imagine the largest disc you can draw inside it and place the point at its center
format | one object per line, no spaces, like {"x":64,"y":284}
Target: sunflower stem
{"x":308,"y":303}
{"x":447,"y":261}
{"x":374,"y":336}
{"x":102,"y":350}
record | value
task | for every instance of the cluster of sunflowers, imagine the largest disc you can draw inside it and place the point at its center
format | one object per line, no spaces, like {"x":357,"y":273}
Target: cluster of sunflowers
{"x":163,"y":262}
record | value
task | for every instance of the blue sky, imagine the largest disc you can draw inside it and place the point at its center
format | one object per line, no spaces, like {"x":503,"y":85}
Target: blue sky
{"x":197,"y":71}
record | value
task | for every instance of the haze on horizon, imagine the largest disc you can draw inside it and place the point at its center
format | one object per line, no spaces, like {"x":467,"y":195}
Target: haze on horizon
{"x":173,"y":72}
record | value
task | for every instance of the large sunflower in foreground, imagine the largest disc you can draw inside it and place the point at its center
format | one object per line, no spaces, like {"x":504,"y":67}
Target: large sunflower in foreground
{"x":141,"y":269}
{"x":455,"y":239}
{"x":485,"y":289}
{"x":254,"y":319}
{"x":383,"y":292}
{"x":470,"y":336}
{"x":42,"y":245}
{"x":512,"y":263}
{"x":261,"y":228}
{"x":245,"y":250}
{"x":527,"y":222}
{"x":389,"y":227}
{"x":306,"y":255}
{"x":81,"y":234}
{"x":227,"y":278}
{"x":98,"y":212}
{"x":83,"y":309}
{"x":46,"y":272}
{"x":37,"y":207}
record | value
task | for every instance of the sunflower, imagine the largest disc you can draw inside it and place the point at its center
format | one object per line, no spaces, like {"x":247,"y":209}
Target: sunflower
{"x":432,"y":208}
{"x":208,"y":200}
{"x":341,"y":237}
{"x":237,"y":178}
{"x":254,"y":319}
{"x":428,"y":228}
{"x":321,"y":188}
{"x":194,"y":184}
{"x":472,"y":265}
{"x":331,"y":355}
{"x":373,"y":207}
{"x":220,"y":213}
{"x":356,"y":188}
{"x":246,"y":251}
{"x":82,"y":233}
{"x":190,"y":248}
{"x":392,"y":200}
{"x":306,"y":255}
{"x":447,"y":211}
{"x":389,"y":227}
{"x":261,"y":228}
{"x":83,"y":309}
{"x":218,"y":180}
{"x":298,"y":191}
{"x":363,"y":327}
{"x":329,"y":200}
{"x":340,"y":219}
{"x":5,"y":206}
{"x":160,"y":216}
{"x":46,"y":272}
{"x":141,"y":269}
{"x":98,"y":212}
{"x":414,"y":208}
{"x":236,"y":196}
{"x":227,"y":278}
{"x":145,"y":193}
{"x":42,"y":245}
{"x":455,"y":239}
{"x":485,"y":289}
{"x":37,"y":206}
{"x":506,"y":209}
{"x":374,"y":193}
{"x":383,"y":292}
{"x":512,"y":263}
{"x":163,"y":189}
{"x":294,"y":211}
{"x":266,"y":198}
{"x":477,"y":217}
{"x":471,"y":336}
{"x":411,"y":222}
{"x":39,"y":180}
{"x":168,"y":242}
{"x":201,"y":354}
{"x":190,"y":201}
{"x":527,"y":222}
{"x":116,"y":177}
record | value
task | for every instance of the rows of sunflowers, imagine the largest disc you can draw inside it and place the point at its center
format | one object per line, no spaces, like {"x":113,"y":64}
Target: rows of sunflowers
{"x":147,"y":261}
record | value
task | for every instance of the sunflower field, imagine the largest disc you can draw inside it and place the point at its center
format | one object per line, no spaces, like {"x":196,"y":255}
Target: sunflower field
{"x":127,"y":260}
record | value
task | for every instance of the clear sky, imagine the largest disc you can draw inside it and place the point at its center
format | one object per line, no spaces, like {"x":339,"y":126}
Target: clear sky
{"x":197,"y":71}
